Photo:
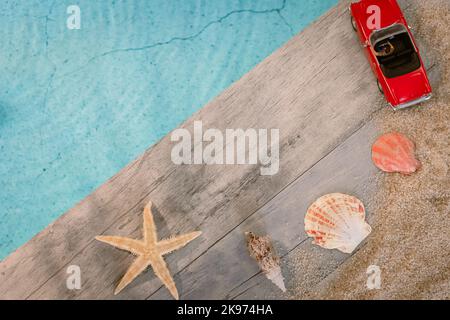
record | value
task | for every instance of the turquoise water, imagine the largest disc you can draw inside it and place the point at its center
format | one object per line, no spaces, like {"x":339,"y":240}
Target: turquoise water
{"x":77,"y":105}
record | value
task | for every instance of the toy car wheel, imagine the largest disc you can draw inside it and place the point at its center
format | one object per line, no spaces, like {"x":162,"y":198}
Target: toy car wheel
{"x":379,"y":87}
{"x":353,"y":23}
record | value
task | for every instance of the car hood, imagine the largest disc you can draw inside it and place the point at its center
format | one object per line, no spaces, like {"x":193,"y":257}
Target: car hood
{"x":391,"y":13}
{"x":409,"y":87}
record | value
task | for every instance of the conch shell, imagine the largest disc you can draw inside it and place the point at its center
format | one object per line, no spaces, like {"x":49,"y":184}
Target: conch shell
{"x":393,"y":152}
{"x":337,"y":221}
{"x":262,"y":251}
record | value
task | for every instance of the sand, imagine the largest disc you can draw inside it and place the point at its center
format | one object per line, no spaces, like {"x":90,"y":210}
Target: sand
{"x":410,"y":241}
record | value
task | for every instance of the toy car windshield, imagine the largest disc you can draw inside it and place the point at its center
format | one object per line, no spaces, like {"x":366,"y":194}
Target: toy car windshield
{"x":395,"y":50}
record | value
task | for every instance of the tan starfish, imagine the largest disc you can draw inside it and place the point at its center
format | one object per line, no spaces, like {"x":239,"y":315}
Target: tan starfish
{"x":149,"y":251}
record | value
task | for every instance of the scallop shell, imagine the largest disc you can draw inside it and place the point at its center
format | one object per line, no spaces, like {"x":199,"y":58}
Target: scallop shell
{"x":337,"y":221}
{"x":393,"y":152}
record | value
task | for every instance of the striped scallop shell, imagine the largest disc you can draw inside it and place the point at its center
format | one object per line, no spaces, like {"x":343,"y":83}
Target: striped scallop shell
{"x":393,"y":152}
{"x":337,"y":221}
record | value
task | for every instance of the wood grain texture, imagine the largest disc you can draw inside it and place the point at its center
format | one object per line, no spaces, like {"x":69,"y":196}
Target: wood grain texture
{"x":317,"y":89}
{"x":228,"y":271}
{"x":348,"y":169}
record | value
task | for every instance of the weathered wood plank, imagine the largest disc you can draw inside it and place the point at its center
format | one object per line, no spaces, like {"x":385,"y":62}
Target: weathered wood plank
{"x":226,"y":268}
{"x":289,"y":90}
{"x":308,"y":266}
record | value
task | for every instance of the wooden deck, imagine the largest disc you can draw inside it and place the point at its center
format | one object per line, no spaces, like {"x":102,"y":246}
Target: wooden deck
{"x":319,"y":91}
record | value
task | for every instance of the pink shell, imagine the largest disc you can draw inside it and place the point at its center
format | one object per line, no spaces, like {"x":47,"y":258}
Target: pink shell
{"x":393,"y":152}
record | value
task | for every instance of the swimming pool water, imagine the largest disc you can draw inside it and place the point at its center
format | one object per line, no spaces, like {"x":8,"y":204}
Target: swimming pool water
{"x":77,"y":105}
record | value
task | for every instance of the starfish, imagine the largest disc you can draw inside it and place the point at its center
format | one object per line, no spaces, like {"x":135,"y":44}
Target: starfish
{"x":149,"y":251}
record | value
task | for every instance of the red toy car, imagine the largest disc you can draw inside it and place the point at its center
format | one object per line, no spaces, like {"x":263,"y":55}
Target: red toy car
{"x":392,"y":52}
